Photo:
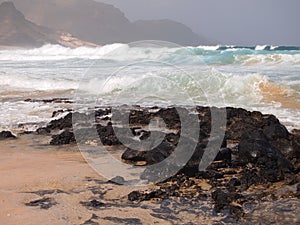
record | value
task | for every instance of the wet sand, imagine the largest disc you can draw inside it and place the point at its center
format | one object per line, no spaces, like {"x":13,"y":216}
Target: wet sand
{"x":42,"y":184}
{"x":31,"y":170}
{"x":27,"y":167}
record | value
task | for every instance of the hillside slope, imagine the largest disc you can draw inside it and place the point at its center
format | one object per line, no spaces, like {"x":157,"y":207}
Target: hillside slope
{"x":102,"y":23}
{"x":15,"y":30}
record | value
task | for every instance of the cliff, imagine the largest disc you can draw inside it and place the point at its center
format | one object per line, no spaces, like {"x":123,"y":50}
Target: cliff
{"x":15,"y":30}
{"x":102,"y":23}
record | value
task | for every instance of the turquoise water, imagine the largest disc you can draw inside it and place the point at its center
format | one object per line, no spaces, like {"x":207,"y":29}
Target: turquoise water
{"x":264,"y":78}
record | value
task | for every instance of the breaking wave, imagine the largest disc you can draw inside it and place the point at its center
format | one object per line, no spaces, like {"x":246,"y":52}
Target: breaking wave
{"x":265,"y":55}
{"x":264,"y":78}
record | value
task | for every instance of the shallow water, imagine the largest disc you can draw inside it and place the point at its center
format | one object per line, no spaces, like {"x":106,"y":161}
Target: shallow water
{"x":263,"y":78}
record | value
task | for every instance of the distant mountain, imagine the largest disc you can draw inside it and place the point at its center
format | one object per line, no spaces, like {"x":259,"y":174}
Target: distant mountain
{"x":168,"y":30}
{"x":102,"y":23}
{"x":15,"y":30}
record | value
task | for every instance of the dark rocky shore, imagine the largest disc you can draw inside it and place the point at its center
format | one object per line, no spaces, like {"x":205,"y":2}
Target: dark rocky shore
{"x":258,"y":160}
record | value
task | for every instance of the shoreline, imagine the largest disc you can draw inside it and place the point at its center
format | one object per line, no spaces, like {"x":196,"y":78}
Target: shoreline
{"x":62,"y":176}
{"x":46,"y":176}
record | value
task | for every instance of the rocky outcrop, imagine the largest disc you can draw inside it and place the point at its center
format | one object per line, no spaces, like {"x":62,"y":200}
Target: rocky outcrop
{"x":257,"y":157}
{"x":6,"y":135}
{"x":250,"y":137}
{"x":251,"y":134}
{"x":66,"y":137}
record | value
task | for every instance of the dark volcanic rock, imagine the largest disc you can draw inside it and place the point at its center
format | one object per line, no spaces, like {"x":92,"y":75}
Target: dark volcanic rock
{"x":256,"y":161}
{"x":48,"y":192}
{"x":62,"y":123}
{"x":107,"y":135}
{"x":262,"y":141}
{"x":255,"y":148}
{"x":296,"y":147}
{"x":139,"y":117}
{"x":192,"y":166}
{"x":255,"y":145}
{"x":6,"y":134}
{"x":221,"y":199}
{"x":93,"y":204}
{"x":43,"y":131}
{"x":170,"y":116}
{"x":43,"y":203}
{"x":137,"y":196}
{"x":240,"y":120}
{"x":64,"y":138}
{"x":276,"y":131}
{"x":224,"y":154}
{"x":53,"y":100}
{"x":126,"y":221}
{"x":256,"y":154}
{"x":156,"y":155}
{"x":237,"y":113}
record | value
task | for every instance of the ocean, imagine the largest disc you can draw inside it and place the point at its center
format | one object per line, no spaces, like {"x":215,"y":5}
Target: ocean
{"x":259,"y":78}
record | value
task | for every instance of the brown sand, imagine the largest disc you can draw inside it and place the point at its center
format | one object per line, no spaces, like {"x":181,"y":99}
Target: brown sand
{"x":30,"y":167}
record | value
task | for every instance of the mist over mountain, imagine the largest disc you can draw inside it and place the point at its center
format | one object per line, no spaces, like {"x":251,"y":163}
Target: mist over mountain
{"x":102,"y":23}
{"x":168,"y":30}
{"x":15,"y":30}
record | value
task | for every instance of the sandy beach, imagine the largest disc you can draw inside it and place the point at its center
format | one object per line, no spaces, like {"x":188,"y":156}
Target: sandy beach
{"x":53,"y":184}
{"x":145,"y":112}
{"x":31,"y":171}
{"x":28,"y":168}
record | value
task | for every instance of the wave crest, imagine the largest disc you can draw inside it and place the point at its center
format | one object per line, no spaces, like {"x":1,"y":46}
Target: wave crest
{"x":264,"y":55}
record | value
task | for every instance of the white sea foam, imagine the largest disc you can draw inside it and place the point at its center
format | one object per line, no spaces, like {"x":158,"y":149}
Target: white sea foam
{"x":123,"y":52}
{"x":268,"y":59}
{"x":57,"y":52}
{"x":122,"y":75}
{"x":26,"y":82}
{"x":209,"y":48}
{"x":260,"y":47}
{"x":273,"y":47}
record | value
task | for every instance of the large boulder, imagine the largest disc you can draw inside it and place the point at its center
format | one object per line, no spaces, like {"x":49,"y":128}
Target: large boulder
{"x":6,"y":135}
{"x":154,"y":156}
{"x":66,"y":137}
{"x":256,"y":148}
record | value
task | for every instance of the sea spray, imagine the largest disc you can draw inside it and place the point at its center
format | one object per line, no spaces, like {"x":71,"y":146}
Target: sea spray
{"x":264,"y":78}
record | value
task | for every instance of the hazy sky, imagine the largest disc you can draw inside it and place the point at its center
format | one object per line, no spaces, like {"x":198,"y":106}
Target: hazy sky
{"x":244,"y":22}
